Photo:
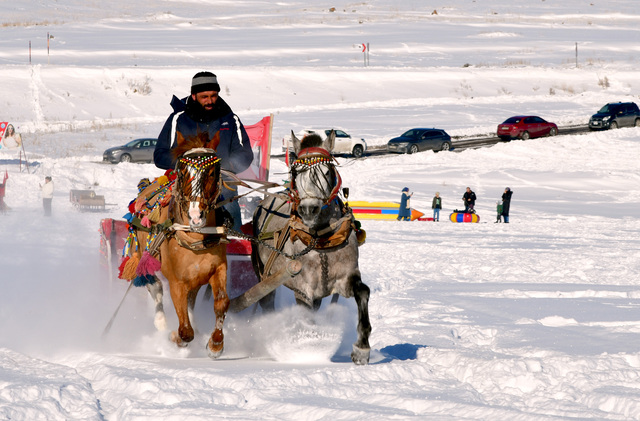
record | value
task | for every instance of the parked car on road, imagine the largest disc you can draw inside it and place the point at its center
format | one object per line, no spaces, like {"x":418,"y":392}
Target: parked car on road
{"x":138,"y":150}
{"x":614,"y":115}
{"x":418,"y":140}
{"x":344,"y":144}
{"x":525,"y":127}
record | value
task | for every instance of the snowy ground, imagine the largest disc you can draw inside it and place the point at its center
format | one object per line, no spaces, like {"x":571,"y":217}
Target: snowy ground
{"x":537,"y":319}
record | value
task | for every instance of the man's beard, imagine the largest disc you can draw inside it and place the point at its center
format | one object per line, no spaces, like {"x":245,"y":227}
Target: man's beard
{"x":200,"y":113}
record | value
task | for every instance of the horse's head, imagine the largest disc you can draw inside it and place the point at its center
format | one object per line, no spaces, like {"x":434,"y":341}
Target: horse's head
{"x":198,"y":178}
{"x":315,"y":182}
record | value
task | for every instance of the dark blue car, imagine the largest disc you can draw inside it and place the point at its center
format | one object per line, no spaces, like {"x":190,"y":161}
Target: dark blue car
{"x":418,"y":140}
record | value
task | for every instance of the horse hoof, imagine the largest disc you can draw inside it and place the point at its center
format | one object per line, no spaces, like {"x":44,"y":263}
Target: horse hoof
{"x":216,"y":351}
{"x":175,"y":338}
{"x":360,"y":356}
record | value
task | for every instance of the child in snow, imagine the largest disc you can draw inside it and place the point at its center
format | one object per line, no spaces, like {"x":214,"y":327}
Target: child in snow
{"x":499,"y":210}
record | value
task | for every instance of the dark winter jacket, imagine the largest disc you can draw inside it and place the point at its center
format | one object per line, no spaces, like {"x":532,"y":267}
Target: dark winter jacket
{"x":469,"y":198}
{"x":436,"y":203}
{"x":190,"y":119}
{"x":405,"y":205}
{"x":506,"y":202}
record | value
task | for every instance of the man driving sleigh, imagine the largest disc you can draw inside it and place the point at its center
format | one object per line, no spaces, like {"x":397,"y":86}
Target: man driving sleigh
{"x":204,"y":111}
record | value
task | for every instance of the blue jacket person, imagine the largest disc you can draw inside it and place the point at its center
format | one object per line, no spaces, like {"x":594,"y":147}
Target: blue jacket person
{"x":204,"y":111}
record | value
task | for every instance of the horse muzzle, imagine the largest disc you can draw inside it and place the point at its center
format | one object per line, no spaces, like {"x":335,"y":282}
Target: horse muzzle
{"x":309,"y":210}
{"x":196,"y":216}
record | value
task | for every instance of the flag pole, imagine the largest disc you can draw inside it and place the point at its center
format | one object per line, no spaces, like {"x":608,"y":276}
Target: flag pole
{"x":25,"y":158}
{"x":268,"y":151}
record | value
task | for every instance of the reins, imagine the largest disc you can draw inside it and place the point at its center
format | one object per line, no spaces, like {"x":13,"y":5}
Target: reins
{"x":308,"y":159}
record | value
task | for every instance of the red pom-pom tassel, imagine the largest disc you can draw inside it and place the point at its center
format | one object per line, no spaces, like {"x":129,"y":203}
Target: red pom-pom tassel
{"x":122,"y":265}
{"x":148,"y":265}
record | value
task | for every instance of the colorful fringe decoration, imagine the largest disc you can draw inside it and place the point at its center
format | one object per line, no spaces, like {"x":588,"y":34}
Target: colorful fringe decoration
{"x":148,"y":207}
{"x":141,"y":281}
{"x":163,"y":179}
{"x":154,"y":215}
{"x":164,"y":201}
{"x":148,"y":265}
{"x":140,"y":203}
{"x":122,"y":265}
{"x":143,"y":184}
{"x":129,"y":269}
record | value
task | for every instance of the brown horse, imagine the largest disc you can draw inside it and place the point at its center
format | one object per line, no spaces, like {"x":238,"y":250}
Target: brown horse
{"x":193,"y":252}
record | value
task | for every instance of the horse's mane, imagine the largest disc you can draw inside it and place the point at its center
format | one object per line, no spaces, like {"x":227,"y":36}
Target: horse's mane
{"x":201,"y":140}
{"x":312,"y":140}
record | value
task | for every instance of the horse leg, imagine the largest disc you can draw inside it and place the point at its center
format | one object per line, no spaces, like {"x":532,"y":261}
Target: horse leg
{"x":191,"y":303}
{"x":361,"y":348}
{"x":218,"y":284}
{"x":179,"y":295}
{"x":155,"y":289}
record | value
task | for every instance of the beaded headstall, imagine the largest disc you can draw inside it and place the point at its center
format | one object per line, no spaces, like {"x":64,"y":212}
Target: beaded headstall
{"x":196,"y":169}
{"x":309,"y":159}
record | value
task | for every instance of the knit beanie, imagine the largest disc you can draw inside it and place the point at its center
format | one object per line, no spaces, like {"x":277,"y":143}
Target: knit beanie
{"x":204,"y":81}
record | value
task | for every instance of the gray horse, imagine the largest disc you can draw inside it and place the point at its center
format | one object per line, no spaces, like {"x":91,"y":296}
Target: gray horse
{"x":312,"y":227}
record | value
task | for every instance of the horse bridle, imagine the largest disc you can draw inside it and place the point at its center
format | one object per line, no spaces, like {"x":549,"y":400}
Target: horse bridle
{"x":307,"y":160}
{"x":197,"y":162}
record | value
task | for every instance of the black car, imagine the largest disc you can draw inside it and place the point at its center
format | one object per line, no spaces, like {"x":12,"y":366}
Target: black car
{"x":418,"y":140}
{"x":138,"y":150}
{"x":614,"y":115}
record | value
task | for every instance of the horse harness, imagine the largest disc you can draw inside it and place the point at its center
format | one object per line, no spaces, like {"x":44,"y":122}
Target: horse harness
{"x":331,"y":237}
{"x":328,"y":238}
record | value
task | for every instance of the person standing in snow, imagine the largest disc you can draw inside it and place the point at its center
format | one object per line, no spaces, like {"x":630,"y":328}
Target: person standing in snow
{"x":499,"y":212}
{"x":469,"y":198}
{"x":205,"y":112}
{"x":47,"y":195}
{"x":436,"y":205}
{"x":404,"y":212}
{"x":506,"y":204}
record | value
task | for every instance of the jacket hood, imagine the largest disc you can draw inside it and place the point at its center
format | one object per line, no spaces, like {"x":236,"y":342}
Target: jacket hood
{"x":178,"y":104}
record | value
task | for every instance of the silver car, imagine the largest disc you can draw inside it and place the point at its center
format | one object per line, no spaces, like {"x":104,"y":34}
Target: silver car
{"x":344,"y":144}
{"x":138,"y":150}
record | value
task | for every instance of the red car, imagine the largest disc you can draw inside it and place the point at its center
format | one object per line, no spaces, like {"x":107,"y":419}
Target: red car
{"x":525,"y":127}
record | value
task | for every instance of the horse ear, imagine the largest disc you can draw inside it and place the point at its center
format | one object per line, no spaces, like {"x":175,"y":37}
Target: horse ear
{"x":296,"y":143}
{"x":179,"y":139}
{"x":214,"y":142}
{"x":330,"y":142}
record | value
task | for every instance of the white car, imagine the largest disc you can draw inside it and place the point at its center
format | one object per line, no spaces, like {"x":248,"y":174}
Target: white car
{"x":344,"y":143}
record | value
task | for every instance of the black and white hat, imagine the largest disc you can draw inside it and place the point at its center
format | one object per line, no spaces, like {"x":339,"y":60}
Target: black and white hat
{"x":204,"y":81}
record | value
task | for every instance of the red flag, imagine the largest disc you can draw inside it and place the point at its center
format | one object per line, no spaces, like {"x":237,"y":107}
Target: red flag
{"x":3,"y":127}
{"x":260,"y":136}
{"x":6,"y":175}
